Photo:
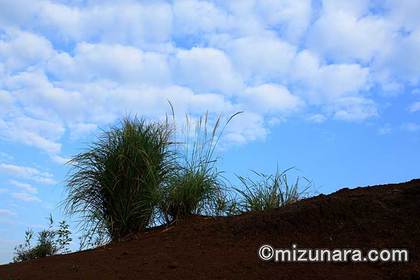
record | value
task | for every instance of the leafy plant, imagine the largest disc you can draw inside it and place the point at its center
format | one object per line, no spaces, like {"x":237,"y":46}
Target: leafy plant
{"x":23,"y":252}
{"x":50,"y":242}
{"x":63,"y":238}
{"x":134,"y":176}
{"x":196,"y":186}
{"x":269,"y":191}
{"x":114,"y":185}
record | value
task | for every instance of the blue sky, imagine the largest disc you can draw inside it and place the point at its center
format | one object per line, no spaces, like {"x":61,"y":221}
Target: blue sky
{"x":330,"y":87}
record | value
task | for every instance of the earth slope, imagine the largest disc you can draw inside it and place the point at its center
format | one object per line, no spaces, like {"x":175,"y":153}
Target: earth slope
{"x":386,"y":216}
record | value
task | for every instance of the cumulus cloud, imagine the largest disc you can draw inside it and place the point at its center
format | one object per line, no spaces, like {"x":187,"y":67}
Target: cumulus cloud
{"x":245,"y":128}
{"x":404,"y":13}
{"x":36,"y":133}
{"x":26,"y":172}
{"x":193,"y":17}
{"x":271,"y":98}
{"x":326,"y":84}
{"x":128,"y":22}
{"x":115,"y":62}
{"x":401,"y":61}
{"x":381,"y":35}
{"x":20,"y":49}
{"x":69,"y":67}
{"x":206,"y":69}
{"x":291,"y":17}
{"x":344,"y":34}
{"x":261,"y":59}
{"x":80,"y":129}
{"x":353,"y":109}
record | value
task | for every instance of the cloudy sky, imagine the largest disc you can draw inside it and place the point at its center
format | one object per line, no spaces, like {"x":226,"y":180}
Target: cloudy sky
{"x":330,"y":87}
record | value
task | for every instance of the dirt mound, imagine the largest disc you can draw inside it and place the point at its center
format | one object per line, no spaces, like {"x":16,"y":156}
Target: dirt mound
{"x":226,"y":247}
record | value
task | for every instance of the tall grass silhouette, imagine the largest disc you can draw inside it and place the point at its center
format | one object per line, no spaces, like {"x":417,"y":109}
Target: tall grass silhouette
{"x":197,"y":186}
{"x":114,"y":185}
{"x":137,"y":175}
{"x":269,"y":191}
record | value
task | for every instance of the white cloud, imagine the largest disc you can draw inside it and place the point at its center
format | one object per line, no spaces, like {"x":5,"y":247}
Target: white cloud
{"x":26,"y":192}
{"x":43,"y":100}
{"x":129,"y":22}
{"x":387,"y":41}
{"x":261,"y":59}
{"x":6,"y":213}
{"x":193,"y":17}
{"x":404,"y":13}
{"x":29,"y":173}
{"x":12,"y":12}
{"x":353,"y":109}
{"x":59,"y":159}
{"x":65,"y":20}
{"x":206,"y":69}
{"x":6,"y":101}
{"x":270,"y":98}
{"x":355,"y":7}
{"x":415,"y":107}
{"x":317,"y":118}
{"x":401,"y":61}
{"x":16,"y":54}
{"x":342,"y":79}
{"x":250,"y":21}
{"x":36,"y":133}
{"x":326,"y":83}
{"x":115,"y":62}
{"x":245,"y":128}
{"x":90,"y":62}
{"x":149,"y":101}
{"x":24,"y":196}
{"x":345,"y":36}
{"x":290,"y":16}
{"x":24,"y":186}
{"x":79,"y":129}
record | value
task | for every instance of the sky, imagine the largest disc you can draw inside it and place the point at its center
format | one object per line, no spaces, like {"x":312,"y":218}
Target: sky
{"x":330,"y":87}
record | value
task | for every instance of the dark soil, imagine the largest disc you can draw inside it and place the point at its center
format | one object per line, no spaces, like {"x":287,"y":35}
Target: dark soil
{"x":385,"y":216}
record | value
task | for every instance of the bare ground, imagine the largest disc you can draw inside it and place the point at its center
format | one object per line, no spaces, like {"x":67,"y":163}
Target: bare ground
{"x":386,"y":216}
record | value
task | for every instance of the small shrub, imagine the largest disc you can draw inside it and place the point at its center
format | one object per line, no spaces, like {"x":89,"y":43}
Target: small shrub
{"x":114,"y":185}
{"x":269,"y":191}
{"x":63,"y":238}
{"x":190,"y":192}
{"x":23,"y":252}
{"x":50,"y":242}
{"x":196,"y":186}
